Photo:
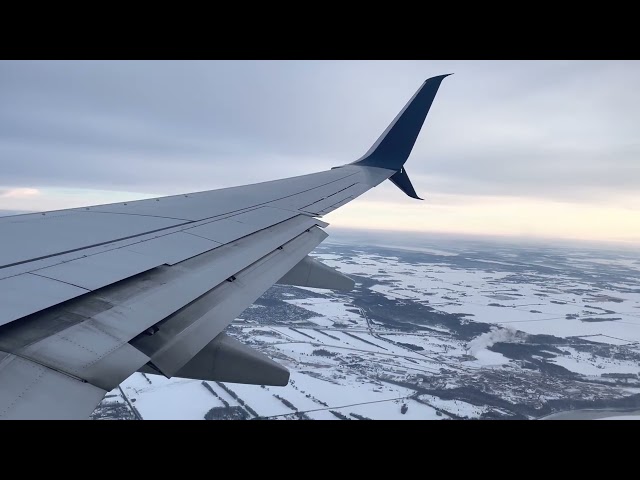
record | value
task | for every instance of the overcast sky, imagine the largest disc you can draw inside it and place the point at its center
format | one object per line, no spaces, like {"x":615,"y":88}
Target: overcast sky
{"x":526,"y":148}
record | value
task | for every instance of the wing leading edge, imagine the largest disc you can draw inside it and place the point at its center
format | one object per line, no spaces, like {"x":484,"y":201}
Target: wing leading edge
{"x":89,"y":296}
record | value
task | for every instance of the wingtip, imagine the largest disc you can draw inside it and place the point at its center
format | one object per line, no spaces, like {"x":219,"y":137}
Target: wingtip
{"x":393,"y":147}
{"x":438,"y":77}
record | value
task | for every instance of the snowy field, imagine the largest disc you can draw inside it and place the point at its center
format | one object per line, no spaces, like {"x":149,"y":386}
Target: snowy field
{"x":435,"y":332}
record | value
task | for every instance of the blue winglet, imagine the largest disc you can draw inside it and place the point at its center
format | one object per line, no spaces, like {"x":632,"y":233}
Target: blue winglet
{"x":393,"y":147}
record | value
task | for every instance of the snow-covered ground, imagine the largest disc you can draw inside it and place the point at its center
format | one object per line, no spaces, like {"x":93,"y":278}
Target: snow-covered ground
{"x":621,"y":417}
{"x":507,"y":324}
{"x":547,"y":304}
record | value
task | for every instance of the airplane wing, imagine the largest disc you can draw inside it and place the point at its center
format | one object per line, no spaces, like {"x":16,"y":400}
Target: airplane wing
{"x":90,"y":295}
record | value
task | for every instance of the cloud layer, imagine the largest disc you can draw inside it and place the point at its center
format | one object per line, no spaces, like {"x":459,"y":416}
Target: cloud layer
{"x":552,"y":130}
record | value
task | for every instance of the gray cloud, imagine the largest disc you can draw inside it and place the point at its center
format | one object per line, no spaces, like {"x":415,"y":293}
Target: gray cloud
{"x":553,"y":130}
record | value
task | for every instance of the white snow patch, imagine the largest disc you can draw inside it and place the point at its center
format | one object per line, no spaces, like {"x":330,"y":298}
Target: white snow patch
{"x":392,"y":410}
{"x":168,"y":399}
{"x":586,"y":364}
{"x":489,"y":358}
{"x":621,"y":417}
{"x":456,"y":407}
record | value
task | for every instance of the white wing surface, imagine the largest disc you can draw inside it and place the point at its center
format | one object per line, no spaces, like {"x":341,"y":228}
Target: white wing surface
{"x":90,"y":295}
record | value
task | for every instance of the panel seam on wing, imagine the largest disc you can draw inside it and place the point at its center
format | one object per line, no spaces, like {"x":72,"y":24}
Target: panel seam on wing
{"x":54,"y":279}
{"x":18,"y":397}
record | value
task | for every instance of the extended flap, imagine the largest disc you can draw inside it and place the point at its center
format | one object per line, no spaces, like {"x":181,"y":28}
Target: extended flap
{"x":311,"y":273}
{"x":227,"y":360}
